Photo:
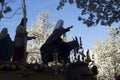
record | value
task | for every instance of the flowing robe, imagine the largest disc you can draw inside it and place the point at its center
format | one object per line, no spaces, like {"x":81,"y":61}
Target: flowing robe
{"x":6,"y":49}
{"x":19,"y":44}
{"x":55,"y":43}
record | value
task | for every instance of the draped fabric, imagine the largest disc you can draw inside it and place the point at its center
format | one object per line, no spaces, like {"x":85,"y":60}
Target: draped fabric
{"x":55,"y":43}
{"x":6,"y":48}
{"x":18,"y":52}
{"x":59,"y":24}
{"x":55,"y":36}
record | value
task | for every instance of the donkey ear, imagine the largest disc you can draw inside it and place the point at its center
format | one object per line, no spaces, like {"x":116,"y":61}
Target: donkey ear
{"x":88,"y":56}
{"x":80,"y":42}
{"x":76,"y":38}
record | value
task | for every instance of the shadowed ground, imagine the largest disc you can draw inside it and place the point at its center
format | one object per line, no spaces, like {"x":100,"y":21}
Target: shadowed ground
{"x":17,"y":75}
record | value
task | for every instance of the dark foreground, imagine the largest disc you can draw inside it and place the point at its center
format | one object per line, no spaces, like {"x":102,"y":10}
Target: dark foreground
{"x":18,"y":75}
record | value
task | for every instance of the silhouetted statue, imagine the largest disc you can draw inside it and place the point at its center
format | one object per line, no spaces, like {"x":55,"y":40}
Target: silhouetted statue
{"x":19,"y":42}
{"x":5,"y":46}
{"x":55,"y":44}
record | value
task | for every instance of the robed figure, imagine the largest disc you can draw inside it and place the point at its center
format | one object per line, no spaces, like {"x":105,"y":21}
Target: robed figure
{"x":5,"y":46}
{"x":55,"y":44}
{"x":19,"y":42}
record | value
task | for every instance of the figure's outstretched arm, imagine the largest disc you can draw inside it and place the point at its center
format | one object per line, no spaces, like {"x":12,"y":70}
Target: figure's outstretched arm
{"x":68,"y":29}
{"x":30,"y":38}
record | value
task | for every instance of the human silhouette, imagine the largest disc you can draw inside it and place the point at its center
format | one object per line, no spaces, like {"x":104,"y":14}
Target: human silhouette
{"x":5,"y":46}
{"x":19,"y":42}
{"x":55,"y":43}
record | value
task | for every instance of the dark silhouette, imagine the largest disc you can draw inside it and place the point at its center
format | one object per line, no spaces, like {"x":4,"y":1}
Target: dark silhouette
{"x":19,"y":42}
{"x":55,"y":45}
{"x":86,"y":59}
{"x":5,"y":46}
{"x":94,"y":70}
{"x":79,"y":71}
{"x":117,"y":76}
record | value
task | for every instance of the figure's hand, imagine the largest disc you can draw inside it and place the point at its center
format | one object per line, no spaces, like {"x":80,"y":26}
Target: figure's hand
{"x":68,"y":29}
{"x":71,"y":26}
{"x":30,"y":38}
{"x":33,"y":37}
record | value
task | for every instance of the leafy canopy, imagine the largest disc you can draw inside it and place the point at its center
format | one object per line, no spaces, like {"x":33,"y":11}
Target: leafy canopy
{"x":4,"y":8}
{"x":105,"y":12}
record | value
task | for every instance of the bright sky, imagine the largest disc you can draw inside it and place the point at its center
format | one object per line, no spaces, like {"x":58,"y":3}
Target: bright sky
{"x":69,"y":14}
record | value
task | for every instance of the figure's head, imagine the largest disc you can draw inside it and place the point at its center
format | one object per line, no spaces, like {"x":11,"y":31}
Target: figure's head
{"x":4,"y":33}
{"x":79,"y":71}
{"x":4,"y":30}
{"x":59,"y":24}
{"x":22,"y":21}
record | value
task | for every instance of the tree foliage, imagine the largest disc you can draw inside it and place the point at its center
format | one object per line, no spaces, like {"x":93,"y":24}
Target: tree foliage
{"x":41,"y":30}
{"x":4,"y":8}
{"x":107,"y":57}
{"x":105,"y":12}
